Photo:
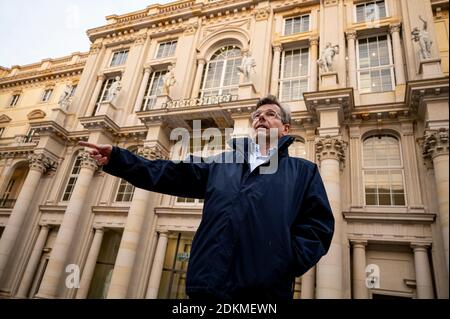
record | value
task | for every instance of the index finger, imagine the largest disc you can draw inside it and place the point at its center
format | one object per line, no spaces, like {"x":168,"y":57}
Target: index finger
{"x":82,"y":143}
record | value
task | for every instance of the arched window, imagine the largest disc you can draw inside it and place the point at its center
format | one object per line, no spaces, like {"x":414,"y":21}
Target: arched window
{"x":221,"y":76}
{"x":383,"y":171}
{"x":72,"y":178}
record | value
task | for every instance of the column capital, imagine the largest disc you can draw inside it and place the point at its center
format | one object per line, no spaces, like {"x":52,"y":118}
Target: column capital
{"x":358,"y":242}
{"x":277,"y":47}
{"x":163,"y":233}
{"x":351,"y":34}
{"x":140,"y":39}
{"x":41,"y":162}
{"x":201,"y":60}
{"x":95,"y":48}
{"x":331,"y":148}
{"x":394,"y":27}
{"x":416,"y":246}
{"x":87,"y":161}
{"x":148,"y":68}
{"x":313,"y":40}
{"x":262,"y":13}
{"x":435,"y":143}
{"x":153,"y":152}
{"x":99,"y":229}
{"x":101,"y":77}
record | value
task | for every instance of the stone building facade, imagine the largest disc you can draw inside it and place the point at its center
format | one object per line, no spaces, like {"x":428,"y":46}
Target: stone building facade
{"x":376,"y":123}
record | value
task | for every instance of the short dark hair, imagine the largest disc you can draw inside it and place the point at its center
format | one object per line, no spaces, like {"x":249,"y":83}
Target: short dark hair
{"x":272,"y":99}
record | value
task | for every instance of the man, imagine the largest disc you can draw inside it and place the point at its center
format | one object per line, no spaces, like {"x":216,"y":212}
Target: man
{"x":258,"y":231}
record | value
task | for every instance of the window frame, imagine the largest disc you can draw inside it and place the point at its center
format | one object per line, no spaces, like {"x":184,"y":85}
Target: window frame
{"x":355,"y":16}
{"x":149,"y":101}
{"x":391,"y":65}
{"x":104,"y":92}
{"x":46,"y":97}
{"x":401,"y":168}
{"x":15,"y":97}
{"x":282,"y":78}
{"x":293,"y":17}
{"x":172,"y":51}
{"x":122,"y":59}
{"x":71,"y":175}
{"x":221,"y":86}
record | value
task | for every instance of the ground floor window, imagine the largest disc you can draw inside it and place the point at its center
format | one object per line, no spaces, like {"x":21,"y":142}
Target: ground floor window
{"x":173,"y":280}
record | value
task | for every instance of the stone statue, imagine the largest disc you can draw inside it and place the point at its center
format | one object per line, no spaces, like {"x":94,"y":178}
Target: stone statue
{"x":247,"y":66}
{"x":114,"y":90}
{"x":326,"y":60}
{"x":65,"y":99}
{"x":168,"y":81}
{"x":423,"y":38}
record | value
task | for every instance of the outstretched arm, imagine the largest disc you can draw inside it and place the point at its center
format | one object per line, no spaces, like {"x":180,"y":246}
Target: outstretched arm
{"x":177,"y":179}
{"x":425,"y":23}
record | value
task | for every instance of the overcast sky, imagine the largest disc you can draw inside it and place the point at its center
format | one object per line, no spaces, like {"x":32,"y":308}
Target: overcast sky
{"x":32,"y":30}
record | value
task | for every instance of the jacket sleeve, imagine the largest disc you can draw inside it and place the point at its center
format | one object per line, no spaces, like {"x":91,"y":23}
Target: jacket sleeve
{"x":184,"y":179}
{"x":313,"y":228}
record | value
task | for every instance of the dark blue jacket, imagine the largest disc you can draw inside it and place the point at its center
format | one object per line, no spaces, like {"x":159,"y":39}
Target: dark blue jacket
{"x":258,"y":231}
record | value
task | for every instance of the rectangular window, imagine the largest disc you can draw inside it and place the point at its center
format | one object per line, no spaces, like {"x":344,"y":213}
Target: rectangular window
{"x":119,"y":58}
{"x":370,"y":11}
{"x":375,"y":65}
{"x":72,"y":179}
{"x":14,"y":100}
{"x":29,"y":137}
{"x":296,"y":24}
{"x":73,"y":90}
{"x":166,"y":49}
{"x":154,"y":88}
{"x":294,"y":74}
{"x":46,"y":95}
{"x":104,"y":93}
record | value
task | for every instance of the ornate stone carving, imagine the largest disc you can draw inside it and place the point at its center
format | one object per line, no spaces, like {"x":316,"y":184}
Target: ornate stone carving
{"x":154,"y":152}
{"x":262,"y":13}
{"x":190,"y":28}
{"x":351,"y":34}
{"x":394,"y":27}
{"x":140,"y":39}
{"x":87,"y":161}
{"x":435,"y":143}
{"x":331,"y":148}
{"x":95,"y":48}
{"x":41,"y":162}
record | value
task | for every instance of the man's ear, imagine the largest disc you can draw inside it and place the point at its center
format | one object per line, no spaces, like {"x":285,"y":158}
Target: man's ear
{"x":286,"y":128}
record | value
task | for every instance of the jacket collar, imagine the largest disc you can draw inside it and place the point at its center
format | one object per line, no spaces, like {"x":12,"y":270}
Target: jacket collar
{"x":242,"y":144}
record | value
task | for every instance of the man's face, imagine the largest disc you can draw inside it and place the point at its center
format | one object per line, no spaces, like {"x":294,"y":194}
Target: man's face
{"x":266,"y":117}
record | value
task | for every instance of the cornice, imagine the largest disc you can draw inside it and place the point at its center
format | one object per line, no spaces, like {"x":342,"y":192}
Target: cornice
{"x":42,"y":75}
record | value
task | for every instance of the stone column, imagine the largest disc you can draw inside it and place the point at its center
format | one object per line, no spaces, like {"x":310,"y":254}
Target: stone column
{"x":39,"y":163}
{"x":394,"y":29}
{"x":57,"y":261}
{"x":33,"y":263}
{"x":126,"y":255}
{"x":330,"y":153}
{"x":308,"y":282}
{"x":141,"y":93}
{"x":424,"y":283}
{"x":435,"y":149}
{"x":89,"y":266}
{"x":314,"y":48}
{"x":158,"y":263}
{"x":351,"y":37}
{"x":275,"y":70}
{"x":356,"y":185}
{"x":198,"y":77}
{"x":94,"y":97}
{"x":360,"y":290}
